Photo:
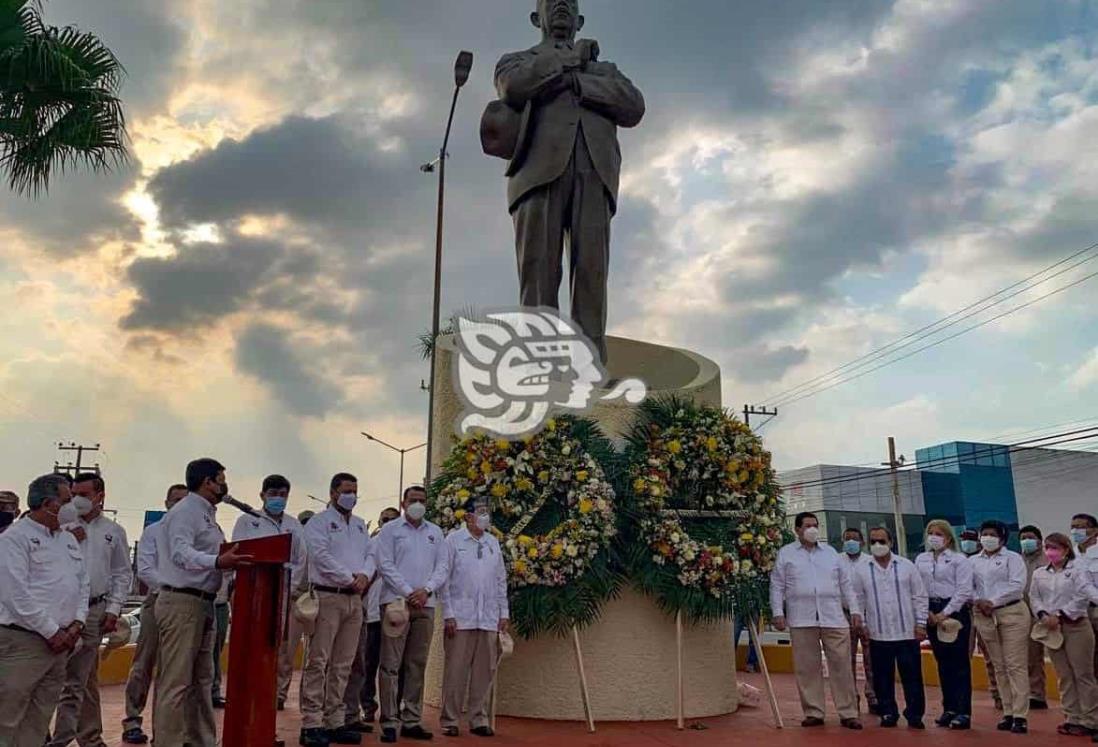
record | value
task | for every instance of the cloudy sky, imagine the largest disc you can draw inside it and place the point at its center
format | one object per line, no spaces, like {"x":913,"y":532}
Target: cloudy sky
{"x":812,"y":180}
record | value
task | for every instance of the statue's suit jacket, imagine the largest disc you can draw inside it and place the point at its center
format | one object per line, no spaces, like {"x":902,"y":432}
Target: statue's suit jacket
{"x":607,"y":100}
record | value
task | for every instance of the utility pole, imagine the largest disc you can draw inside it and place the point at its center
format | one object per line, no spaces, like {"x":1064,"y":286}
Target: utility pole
{"x":894,"y":464}
{"x":749,"y":410}
{"x":70,"y":469}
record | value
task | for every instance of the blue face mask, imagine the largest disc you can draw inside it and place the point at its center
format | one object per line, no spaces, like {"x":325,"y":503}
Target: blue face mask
{"x":1029,"y":545}
{"x":968,"y":546}
{"x":276,"y":505}
{"x":852,"y":547}
{"x":1078,"y":536}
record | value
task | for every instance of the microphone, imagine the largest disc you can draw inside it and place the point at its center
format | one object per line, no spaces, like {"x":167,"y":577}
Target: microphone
{"x":241,"y":506}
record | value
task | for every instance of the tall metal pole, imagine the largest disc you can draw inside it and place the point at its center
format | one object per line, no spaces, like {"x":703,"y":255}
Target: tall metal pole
{"x":901,"y":535}
{"x":400,"y":493}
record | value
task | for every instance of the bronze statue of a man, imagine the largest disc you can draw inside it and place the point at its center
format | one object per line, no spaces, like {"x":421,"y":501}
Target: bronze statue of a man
{"x":566,"y":106}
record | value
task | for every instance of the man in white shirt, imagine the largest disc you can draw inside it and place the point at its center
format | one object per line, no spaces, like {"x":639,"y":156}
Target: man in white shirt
{"x":339,"y":570}
{"x":809,"y":587}
{"x":891,"y":591}
{"x":414,"y":564}
{"x":43,"y":606}
{"x":1004,"y":621}
{"x":474,"y":602}
{"x":190,"y":565}
{"x":272,"y":520}
{"x":9,"y":509}
{"x":1084,"y":533}
{"x":853,"y":545}
{"x":107,"y":560}
{"x":1032,"y":542}
{"x":148,"y":639}
{"x":360,"y":700}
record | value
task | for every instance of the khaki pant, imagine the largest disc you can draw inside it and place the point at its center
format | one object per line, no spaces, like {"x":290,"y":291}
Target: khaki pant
{"x":332,"y":649}
{"x":409,"y":650}
{"x":144,"y":663}
{"x":182,"y":706}
{"x":294,"y":633}
{"x":1006,"y":635}
{"x":78,"y":711}
{"x":1078,"y":686}
{"x":809,"y":671}
{"x":867,"y":665}
{"x":31,"y":678}
{"x":1036,"y":666}
{"x":471,"y":658}
{"x":1094,"y":626}
{"x":989,"y":666}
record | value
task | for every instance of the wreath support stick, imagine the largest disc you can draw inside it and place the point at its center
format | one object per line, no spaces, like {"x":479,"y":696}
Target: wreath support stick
{"x":753,"y":629}
{"x":583,"y":681}
{"x":678,"y":646}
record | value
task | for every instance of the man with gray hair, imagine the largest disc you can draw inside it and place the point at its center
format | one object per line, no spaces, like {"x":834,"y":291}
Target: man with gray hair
{"x":43,"y":605}
{"x":9,"y":509}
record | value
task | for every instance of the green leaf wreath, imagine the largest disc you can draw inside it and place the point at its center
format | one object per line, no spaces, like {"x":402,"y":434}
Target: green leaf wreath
{"x":554,"y":513}
{"x":705,"y":516}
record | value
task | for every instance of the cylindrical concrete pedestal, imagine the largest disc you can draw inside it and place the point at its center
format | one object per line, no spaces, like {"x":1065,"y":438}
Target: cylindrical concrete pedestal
{"x":630,"y":653}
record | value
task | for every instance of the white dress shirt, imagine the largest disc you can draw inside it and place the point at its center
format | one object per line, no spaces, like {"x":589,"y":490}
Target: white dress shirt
{"x":148,"y":571}
{"x":412,"y":558}
{"x":338,"y":548}
{"x":1068,"y":591}
{"x":947,"y":575}
{"x":1090,"y":562}
{"x":43,"y":579}
{"x":190,"y":543}
{"x":107,"y":558}
{"x":251,"y":527}
{"x":894,"y":598}
{"x":371,"y":603}
{"x":810,"y":588}
{"x":853,"y":561}
{"x":475,"y":594}
{"x":999,"y":578}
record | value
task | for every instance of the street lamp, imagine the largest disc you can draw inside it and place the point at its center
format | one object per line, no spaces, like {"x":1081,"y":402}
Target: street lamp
{"x":462,"y":66}
{"x":402,"y":452}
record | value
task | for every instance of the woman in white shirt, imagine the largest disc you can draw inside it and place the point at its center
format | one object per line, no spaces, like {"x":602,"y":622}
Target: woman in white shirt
{"x":1003,"y":621}
{"x":947,"y":576}
{"x":1060,"y":594}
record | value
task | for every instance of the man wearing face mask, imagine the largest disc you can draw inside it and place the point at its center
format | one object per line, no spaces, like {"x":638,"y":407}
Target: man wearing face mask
{"x":107,"y":559}
{"x":190,"y":565}
{"x":43,"y":606}
{"x":414,"y":564}
{"x":1084,"y":533}
{"x":853,"y":541}
{"x":340,"y":567}
{"x":895,"y":600}
{"x":474,"y":600}
{"x":9,"y":509}
{"x":1032,"y":542}
{"x":809,"y":588}
{"x":970,"y":546}
{"x":272,"y":520}
{"x":1004,"y":620}
{"x":360,"y":700}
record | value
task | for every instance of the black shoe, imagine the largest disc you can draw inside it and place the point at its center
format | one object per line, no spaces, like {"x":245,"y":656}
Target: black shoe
{"x":811,"y":722}
{"x":416,"y":732}
{"x":945,"y":719}
{"x":873,"y":709}
{"x":343,"y":735}
{"x":389,"y":736}
{"x":889,"y":722}
{"x":360,"y":727}
{"x":1006,"y":724}
{"x":483,"y":731}
{"x":313,"y":738}
{"x":281,"y":706}
{"x":134,"y":735}
{"x":851,"y":723}
{"x":919,"y":725}
{"x":218,"y":701}
{"x":961,"y":723}
{"x":450,"y":731}
{"x":1020,"y":726}
{"x":1037,"y":705}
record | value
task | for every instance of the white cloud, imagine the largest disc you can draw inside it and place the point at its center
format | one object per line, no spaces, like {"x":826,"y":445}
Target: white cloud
{"x":1086,"y":375}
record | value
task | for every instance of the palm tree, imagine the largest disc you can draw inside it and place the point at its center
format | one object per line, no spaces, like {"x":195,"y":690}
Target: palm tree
{"x":59,"y":106}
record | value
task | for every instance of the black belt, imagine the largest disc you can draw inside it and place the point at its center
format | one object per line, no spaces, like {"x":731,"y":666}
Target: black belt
{"x":336,"y":590}
{"x":941,"y":600}
{"x":1009,"y":604}
{"x":96,"y":600}
{"x":207,"y":596}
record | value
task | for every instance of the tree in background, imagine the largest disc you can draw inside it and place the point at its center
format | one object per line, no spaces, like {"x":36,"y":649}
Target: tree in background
{"x":59,"y":105}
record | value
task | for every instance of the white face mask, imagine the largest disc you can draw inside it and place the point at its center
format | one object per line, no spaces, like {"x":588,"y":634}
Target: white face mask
{"x":347,"y":501}
{"x":83,"y":505}
{"x":483,"y":522}
{"x":935,"y":542}
{"x":68,"y":514}
{"x":811,"y":534}
{"x":879,"y":551}
{"x":415,"y":511}
{"x":990,"y":542}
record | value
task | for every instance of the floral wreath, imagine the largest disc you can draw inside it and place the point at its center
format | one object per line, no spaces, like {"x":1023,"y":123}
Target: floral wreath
{"x":708,"y":516}
{"x":552,"y":512}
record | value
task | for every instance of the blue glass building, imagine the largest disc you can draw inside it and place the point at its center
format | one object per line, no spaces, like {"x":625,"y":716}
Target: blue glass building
{"x":968,"y":483}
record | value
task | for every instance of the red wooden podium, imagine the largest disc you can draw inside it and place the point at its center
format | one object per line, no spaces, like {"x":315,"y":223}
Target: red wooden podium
{"x":259,"y":607}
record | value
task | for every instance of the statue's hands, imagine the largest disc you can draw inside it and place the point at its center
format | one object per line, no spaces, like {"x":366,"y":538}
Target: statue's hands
{"x":588,"y":51}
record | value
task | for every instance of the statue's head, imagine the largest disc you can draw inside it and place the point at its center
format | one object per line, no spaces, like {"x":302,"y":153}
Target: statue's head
{"x":558,"y":19}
